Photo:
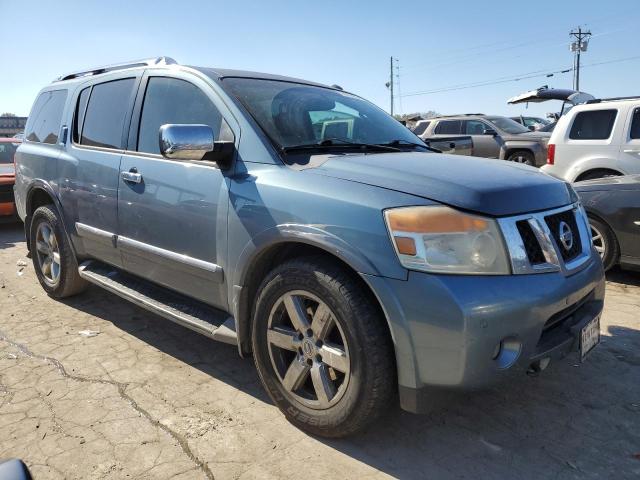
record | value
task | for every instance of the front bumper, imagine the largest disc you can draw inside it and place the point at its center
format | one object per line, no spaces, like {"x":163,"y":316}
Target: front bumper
{"x":447,"y":328}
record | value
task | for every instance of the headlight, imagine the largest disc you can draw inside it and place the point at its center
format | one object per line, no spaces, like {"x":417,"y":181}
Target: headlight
{"x":442,"y":239}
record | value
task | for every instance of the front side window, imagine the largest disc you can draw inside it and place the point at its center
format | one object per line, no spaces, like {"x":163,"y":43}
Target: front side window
{"x":475,"y":127}
{"x":635,"y":125}
{"x":593,"y":125}
{"x":507,"y":125}
{"x":45,"y":118}
{"x":171,"y":100}
{"x":293,"y":114}
{"x":449,"y":127}
{"x":104,"y":120}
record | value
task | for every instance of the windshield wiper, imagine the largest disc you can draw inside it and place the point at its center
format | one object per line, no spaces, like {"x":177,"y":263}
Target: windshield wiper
{"x":406,"y":143}
{"x":340,"y":143}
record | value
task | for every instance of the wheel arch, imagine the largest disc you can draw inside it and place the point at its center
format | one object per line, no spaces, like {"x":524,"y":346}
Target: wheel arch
{"x":41,"y":193}
{"x":610,"y":171}
{"x":255,"y":264}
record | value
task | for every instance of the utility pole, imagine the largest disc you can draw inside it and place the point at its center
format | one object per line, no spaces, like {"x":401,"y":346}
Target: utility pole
{"x":390,"y":84}
{"x":577,"y":47}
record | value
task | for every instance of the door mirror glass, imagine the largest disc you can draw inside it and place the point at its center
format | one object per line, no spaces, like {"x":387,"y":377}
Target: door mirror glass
{"x":490,"y":131}
{"x":185,"y":142}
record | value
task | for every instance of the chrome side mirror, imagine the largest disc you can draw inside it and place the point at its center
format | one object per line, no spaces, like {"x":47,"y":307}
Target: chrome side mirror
{"x":185,"y":142}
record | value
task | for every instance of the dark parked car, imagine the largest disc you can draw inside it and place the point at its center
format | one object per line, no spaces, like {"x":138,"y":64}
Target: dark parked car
{"x":8,"y":148}
{"x":613,"y":207}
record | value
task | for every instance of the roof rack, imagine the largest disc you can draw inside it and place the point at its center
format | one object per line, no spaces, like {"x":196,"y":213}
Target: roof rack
{"x":459,"y":115}
{"x":613,"y":99}
{"x":118,"y":66}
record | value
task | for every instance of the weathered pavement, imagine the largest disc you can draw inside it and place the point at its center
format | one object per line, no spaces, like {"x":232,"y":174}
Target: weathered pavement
{"x":149,"y":399}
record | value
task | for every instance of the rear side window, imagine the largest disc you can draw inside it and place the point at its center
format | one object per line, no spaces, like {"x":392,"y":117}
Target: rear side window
{"x":7,"y":151}
{"x":171,"y":100}
{"x":421,"y":128}
{"x":449,"y":127}
{"x":43,"y":125}
{"x":593,"y":125}
{"x":635,"y":124}
{"x":104,"y":121}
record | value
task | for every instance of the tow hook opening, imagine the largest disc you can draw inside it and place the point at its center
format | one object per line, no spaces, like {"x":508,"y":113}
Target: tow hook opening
{"x":538,"y":366}
{"x":507,"y":352}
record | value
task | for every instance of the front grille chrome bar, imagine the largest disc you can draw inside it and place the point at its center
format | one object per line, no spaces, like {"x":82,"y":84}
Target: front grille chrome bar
{"x":520,"y":262}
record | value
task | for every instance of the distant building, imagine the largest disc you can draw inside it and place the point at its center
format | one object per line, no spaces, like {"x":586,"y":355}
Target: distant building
{"x":9,"y":126}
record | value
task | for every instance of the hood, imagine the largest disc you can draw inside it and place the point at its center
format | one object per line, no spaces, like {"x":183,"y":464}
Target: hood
{"x":537,"y":135}
{"x":492,"y":187}
{"x":544,"y":94}
{"x":626,"y":182}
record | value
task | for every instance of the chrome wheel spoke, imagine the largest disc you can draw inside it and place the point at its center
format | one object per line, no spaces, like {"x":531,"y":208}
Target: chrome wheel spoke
{"x":42,"y":247}
{"x":296,"y":375}
{"x":283,"y":337}
{"x":335,"y":357}
{"x":321,"y":322}
{"x":55,"y":271}
{"x":296,"y":312}
{"x":322,"y":384}
{"x":56,"y":258}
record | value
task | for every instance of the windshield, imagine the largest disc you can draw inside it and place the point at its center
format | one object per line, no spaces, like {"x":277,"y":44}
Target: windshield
{"x":6,"y":152}
{"x":294,"y":114}
{"x":507,"y":125}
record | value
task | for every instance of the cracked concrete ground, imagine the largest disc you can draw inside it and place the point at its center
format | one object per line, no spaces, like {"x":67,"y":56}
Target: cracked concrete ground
{"x":149,"y":399}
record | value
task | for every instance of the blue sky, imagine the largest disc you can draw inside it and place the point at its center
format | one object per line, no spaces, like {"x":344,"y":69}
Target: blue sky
{"x":439,"y":45}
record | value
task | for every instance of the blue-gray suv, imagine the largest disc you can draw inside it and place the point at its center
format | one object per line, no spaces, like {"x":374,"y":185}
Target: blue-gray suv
{"x":309,"y":228}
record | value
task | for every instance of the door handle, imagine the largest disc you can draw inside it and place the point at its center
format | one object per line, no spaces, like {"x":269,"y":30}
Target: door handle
{"x":132,"y":176}
{"x":631,"y":150}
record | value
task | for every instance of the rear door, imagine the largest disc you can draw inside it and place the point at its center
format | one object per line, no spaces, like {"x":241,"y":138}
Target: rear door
{"x":90,"y":167}
{"x":630,"y":149}
{"x":172,"y":221}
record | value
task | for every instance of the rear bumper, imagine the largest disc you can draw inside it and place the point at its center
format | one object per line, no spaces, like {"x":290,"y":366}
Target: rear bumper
{"x":7,"y":201}
{"x":447,"y":329}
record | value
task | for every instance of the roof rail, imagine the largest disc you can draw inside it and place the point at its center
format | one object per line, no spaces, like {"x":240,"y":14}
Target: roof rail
{"x":118,"y":66}
{"x":459,"y":115}
{"x":613,"y":99}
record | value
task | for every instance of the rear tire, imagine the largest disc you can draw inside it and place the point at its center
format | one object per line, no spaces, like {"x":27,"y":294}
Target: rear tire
{"x":605,"y":242}
{"x":329,"y":377}
{"x":53,"y":259}
{"x":522,"y":156}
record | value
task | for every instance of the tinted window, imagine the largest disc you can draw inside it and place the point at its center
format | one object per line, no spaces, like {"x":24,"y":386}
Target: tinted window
{"x":507,"y":125}
{"x":293,"y":114}
{"x":81,"y":108}
{"x":635,"y":124}
{"x":44,"y":121}
{"x":104,"y":120}
{"x":170,"y":100}
{"x":421,"y":127}
{"x":475,"y":127}
{"x":593,"y":125}
{"x":7,"y":150}
{"x":449,"y":127}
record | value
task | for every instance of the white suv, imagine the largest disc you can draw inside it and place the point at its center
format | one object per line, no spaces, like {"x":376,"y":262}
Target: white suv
{"x":598,"y":139}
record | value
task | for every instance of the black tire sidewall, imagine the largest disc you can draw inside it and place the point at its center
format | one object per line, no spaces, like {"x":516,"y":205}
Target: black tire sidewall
{"x":610,"y":243}
{"x":523,"y":153}
{"x":320,"y":285}
{"x":68,"y":262}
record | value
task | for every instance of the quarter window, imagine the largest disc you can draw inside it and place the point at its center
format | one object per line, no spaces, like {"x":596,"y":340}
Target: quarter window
{"x":81,"y":108}
{"x":635,"y":125}
{"x":593,"y":125}
{"x":104,"y":121}
{"x":171,"y":100}
{"x":448,"y":127}
{"x":44,"y":121}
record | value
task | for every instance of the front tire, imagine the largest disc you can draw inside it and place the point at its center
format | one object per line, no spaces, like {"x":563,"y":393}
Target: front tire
{"x":322,"y":348}
{"x":605,"y":242}
{"x":53,"y":259}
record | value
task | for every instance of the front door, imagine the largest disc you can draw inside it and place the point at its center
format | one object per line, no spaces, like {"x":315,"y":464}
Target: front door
{"x":172,"y":214}
{"x":484,"y":145}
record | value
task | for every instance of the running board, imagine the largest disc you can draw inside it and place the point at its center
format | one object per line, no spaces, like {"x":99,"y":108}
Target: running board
{"x":171,"y":305}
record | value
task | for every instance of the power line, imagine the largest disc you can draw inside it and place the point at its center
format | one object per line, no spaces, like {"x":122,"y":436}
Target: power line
{"x":523,"y":76}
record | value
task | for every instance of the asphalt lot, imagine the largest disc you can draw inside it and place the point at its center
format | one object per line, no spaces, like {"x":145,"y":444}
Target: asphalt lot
{"x":149,"y":399}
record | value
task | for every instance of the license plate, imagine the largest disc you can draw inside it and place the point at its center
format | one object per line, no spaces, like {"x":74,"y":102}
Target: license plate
{"x":589,"y":337}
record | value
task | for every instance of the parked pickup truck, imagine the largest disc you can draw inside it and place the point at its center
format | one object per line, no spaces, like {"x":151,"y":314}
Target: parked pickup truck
{"x":310,"y":229}
{"x":492,"y":137}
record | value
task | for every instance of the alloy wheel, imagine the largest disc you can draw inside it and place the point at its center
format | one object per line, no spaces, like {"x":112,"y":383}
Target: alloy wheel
{"x":598,"y":241}
{"x":48,"y":253}
{"x":308,"y":350}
